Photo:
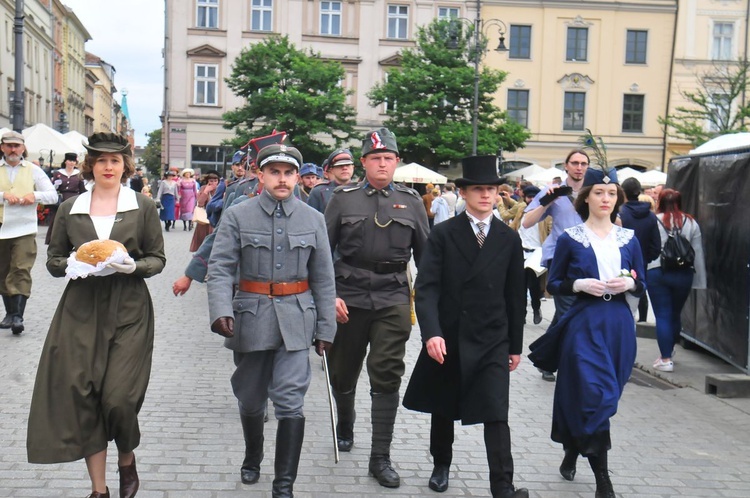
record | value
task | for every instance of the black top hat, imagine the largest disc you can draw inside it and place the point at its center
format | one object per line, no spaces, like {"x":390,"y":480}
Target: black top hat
{"x":479,"y":170}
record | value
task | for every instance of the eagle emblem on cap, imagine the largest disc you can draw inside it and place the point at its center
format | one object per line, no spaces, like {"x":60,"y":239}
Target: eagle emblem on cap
{"x":377,"y":142}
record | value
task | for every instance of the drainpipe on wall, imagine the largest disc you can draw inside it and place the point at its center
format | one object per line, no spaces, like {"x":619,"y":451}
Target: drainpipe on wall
{"x":669,"y":83}
{"x":744,"y":53}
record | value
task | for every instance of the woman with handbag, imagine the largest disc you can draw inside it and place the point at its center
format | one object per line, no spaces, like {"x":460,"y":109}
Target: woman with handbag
{"x":202,"y":229}
{"x":668,"y":286}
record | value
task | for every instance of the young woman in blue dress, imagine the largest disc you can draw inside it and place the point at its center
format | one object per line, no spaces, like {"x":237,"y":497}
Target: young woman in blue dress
{"x":593,"y":346}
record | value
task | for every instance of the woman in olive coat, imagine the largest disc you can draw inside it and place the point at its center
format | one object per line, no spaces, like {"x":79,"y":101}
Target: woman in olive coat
{"x":96,"y":360}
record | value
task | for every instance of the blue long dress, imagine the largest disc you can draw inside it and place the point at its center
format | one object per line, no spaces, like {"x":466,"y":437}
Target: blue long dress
{"x":593,"y":346}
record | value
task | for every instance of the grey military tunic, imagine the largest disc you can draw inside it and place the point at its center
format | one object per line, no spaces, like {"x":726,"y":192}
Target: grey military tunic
{"x":371,"y":225}
{"x":273,"y":241}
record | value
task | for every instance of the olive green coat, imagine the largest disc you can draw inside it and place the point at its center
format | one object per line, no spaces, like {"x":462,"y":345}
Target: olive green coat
{"x":96,"y":360}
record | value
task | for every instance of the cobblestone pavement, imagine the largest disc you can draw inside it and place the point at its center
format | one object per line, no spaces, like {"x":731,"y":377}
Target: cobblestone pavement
{"x":667,"y":443}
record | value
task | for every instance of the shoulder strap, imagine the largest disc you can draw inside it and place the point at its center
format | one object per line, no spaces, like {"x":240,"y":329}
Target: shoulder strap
{"x":673,"y":230}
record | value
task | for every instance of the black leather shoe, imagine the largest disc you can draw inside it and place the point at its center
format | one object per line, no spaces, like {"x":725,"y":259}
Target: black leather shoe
{"x":382,"y":470}
{"x":512,"y":493}
{"x":439,"y":478}
{"x":568,"y":465}
{"x":537,"y":317}
{"x":548,"y":376}
{"x":345,"y":444}
{"x":249,"y":476}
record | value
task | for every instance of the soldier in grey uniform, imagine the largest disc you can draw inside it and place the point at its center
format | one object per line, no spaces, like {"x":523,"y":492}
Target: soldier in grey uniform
{"x":375,"y":226}
{"x":340,"y":168}
{"x":285,"y":301}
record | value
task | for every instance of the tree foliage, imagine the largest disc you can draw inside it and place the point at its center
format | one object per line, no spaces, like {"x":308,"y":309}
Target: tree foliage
{"x":292,"y":90}
{"x":430,"y":99}
{"x":717,"y":107}
{"x":152,"y":153}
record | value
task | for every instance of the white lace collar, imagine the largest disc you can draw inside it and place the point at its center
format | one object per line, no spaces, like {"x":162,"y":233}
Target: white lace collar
{"x":580,"y":235}
{"x":126,"y":201}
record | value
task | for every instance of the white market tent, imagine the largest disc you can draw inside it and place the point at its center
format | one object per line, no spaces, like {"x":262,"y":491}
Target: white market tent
{"x":723,"y":143}
{"x":546,"y":176}
{"x":78,"y":140}
{"x":43,"y":141}
{"x":416,"y":173}
{"x":526,"y":172}
{"x":652,"y":178}
{"x":3,"y":131}
{"x":628,"y":172}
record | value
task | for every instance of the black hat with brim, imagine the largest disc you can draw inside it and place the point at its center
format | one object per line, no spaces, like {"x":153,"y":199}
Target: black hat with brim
{"x":479,"y":170}
{"x":71,"y":156}
{"x":597,"y":176}
{"x":101,"y":143}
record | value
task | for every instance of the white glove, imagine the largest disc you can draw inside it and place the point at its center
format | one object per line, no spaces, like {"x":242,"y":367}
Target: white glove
{"x":591,"y":286}
{"x":618,"y":285}
{"x":57,"y":182}
{"x":127,"y":266}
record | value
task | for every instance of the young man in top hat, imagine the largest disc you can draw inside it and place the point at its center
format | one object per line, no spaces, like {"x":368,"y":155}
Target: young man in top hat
{"x":23,"y":185}
{"x":375,"y":226}
{"x":285,"y":301}
{"x":470,"y":302}
{"x":339,"y":167}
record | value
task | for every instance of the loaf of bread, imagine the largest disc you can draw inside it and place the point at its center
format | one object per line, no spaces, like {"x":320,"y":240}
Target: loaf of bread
{"x":96,"y":251}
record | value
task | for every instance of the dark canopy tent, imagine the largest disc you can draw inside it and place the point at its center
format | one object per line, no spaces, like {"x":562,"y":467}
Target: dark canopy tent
{"x":715,"y":190}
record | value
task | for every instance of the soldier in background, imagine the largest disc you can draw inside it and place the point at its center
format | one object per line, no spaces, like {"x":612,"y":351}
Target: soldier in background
{"x":339,"y":168}
{"x":375,"y":226}
{"x":308,"y":176}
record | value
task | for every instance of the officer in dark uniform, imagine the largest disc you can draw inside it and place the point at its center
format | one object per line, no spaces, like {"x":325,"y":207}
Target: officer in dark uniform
{"x":375,"y":226}
{"x":340,"y":167}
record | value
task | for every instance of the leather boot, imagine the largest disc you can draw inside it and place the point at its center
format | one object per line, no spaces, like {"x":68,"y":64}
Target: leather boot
{"x":19,"y":306}
{"x":384,"y":407}
{"x":345,"y":423}
{"x":568,"y":465}
{"x":128,"y":480}
{"x":252,"y":428}
{"x":9,"y":312}
{"x":97,"y":494}
{"x":289,"y":436}
{"x":598,"y":464}
{"x":500,"y":461}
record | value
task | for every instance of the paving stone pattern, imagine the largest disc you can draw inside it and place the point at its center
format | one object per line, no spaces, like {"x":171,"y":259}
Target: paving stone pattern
{"x":667,"y":443}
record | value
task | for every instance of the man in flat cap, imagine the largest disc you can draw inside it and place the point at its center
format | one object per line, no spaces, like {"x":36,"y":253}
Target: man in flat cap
{"x":23,"y":185}
{"x":375,"y":226}
{"x":340,"y":167}
{"x":285,"y":301}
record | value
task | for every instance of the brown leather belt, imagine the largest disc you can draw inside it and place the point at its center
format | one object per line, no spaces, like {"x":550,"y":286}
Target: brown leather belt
{"x":274,"y":288}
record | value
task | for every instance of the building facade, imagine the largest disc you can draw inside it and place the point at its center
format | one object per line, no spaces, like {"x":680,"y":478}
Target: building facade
{"x":38,"y":50}
{"x":70,"y":114}
{"x":204,"y":37}
{"x":105,"y":114}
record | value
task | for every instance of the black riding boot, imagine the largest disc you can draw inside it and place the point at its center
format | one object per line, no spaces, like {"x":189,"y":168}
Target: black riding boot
{"x":345,"y":423}
{"x":289,"y":436}
{"x":568,"y":465}
{"x":184,"y":225}
{"x":384,"y":407}
{"x":190,"y":226}
{"x":166,"y":225}
{"x":601,"y":474}
{"x":19,"y":306}
{"x":252,"y":428}
{"x":9,"y":312}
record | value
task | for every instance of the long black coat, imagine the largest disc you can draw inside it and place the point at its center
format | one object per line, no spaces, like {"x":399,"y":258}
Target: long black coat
{"x":476,"y":300}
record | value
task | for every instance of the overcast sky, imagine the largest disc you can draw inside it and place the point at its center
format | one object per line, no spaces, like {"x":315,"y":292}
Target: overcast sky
{"x":129,"y":34}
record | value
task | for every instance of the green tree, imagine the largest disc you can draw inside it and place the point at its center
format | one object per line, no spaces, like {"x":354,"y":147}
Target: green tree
{"x":291,"y":90}
{"x":434,"y":124}
{"x":718,"y":106}
{"x":152,"y":153}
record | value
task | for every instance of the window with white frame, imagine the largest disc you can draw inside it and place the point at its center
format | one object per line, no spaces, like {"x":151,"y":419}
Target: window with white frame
{"x":261,"y":15}
{"x":722,"y":41}
{"x":207,"y":15}
{"x":720,"y":107}
{"x":577,"y":44}
{"x":206,"y":79}
{"x":447,"y":13}
{"x":398,"y":21}
{"x":330,"y":18}
{"x":574,"y":111}
{"x":388,"y":105}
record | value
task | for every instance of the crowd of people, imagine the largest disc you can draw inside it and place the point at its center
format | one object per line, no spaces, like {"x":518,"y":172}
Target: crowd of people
{"x":303,"y":256}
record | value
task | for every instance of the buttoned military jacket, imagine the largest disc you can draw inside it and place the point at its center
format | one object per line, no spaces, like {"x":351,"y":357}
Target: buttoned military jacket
{"x":355,"y":232}
{"x":266,"y":240}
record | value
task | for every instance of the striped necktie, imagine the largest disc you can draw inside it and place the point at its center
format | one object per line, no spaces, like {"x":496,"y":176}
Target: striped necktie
{"x":480,"y":233}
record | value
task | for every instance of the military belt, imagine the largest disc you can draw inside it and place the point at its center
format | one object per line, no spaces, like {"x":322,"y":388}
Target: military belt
{"x":274,"y":288}
{"x":376,"y":266}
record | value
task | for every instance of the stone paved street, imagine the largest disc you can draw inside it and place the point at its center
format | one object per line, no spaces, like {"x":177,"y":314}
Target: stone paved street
{"x":667,"y":443}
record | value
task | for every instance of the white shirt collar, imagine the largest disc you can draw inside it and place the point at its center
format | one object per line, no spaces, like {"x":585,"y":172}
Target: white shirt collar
{"x":126,"y":201}
{"x":63,"y":171}
{"x":476,"y":220}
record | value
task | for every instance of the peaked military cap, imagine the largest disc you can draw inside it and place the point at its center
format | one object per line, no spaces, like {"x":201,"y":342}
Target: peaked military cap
{"x":279,"y":153}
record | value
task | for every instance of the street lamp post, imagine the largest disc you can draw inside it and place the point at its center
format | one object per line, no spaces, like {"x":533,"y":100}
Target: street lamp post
{"x":480,"y":25}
